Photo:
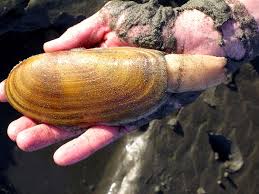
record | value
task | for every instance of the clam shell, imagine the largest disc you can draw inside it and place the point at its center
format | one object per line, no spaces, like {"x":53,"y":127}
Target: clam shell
{"x":88,"y":87}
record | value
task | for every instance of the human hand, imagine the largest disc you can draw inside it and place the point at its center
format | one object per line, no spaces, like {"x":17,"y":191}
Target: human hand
{"x":97,"y":31}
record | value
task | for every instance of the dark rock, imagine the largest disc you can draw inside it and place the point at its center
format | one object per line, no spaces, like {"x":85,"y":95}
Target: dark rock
{"x":220,"y":145}
{"x":26,"y":15}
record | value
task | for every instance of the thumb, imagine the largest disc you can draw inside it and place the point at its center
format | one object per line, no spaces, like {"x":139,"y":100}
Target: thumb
{"x":87,"y":33}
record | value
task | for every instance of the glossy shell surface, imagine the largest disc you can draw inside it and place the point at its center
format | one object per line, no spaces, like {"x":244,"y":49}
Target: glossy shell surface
{"x":88,"y":87}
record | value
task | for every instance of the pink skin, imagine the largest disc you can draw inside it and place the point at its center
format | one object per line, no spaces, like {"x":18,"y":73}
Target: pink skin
{"x":252,"y":6}
{"x":195,"y":34}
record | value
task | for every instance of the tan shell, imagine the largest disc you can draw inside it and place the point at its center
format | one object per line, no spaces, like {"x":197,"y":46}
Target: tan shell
{"x":87,"y":87}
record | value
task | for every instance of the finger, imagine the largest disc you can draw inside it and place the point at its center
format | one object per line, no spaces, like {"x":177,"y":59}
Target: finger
{"x":2,"y":92}
{"x":252,"y":7}
{"x":41,"y":136}
{"x":86,"y":144}
{"x":111,"y":40}
{"x":19,"y":125}
{"x":87,"y":33}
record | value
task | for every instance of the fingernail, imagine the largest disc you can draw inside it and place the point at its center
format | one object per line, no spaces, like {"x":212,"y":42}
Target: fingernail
{"x":2,"y":92}
{"x":11,"y":131}
{"x":46,"y":46}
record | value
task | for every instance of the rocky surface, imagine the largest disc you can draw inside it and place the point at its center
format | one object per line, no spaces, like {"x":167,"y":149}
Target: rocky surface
{"x":173,"y":155}
{"x":28,"y":15}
